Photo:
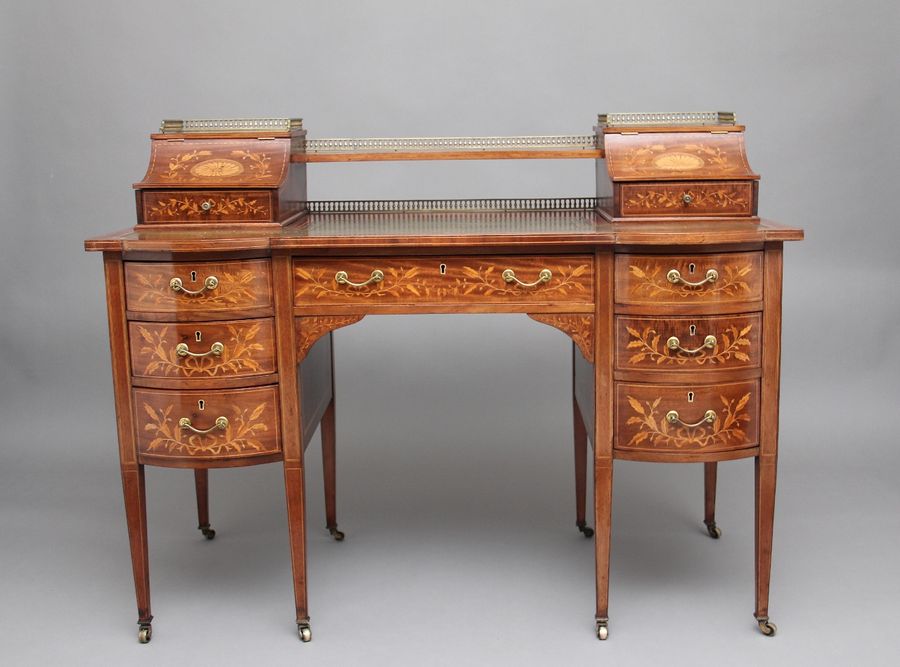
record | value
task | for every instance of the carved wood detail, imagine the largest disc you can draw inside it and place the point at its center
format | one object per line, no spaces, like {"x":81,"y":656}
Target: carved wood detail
{"x":311,"y":329}
{"x":579,"y":327}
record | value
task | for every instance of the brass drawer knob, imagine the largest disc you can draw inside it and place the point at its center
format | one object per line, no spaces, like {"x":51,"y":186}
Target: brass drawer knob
{"x":215,"y":350}
{"x":674,"y":277}
{"x":543,"y":277}
{"x":207,"y":205}
{"x":674,"y":344}
{"x":343,"y":278}
{"x":220,"y":425}
{"x":210,"y":284}
{"x":708,"y":418}
{"x":687,"y":198}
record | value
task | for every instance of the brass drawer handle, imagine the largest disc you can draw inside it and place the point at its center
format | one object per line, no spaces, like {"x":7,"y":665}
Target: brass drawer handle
{"x":708,"y":418}
{"x":210,"y":284}
{"x":342,"y":278}
{"x":543,"y":277}
{"x":220,"y":425}
{"x":674,"y":277}
{"x":708,"y":343}
{"x":215,"y":350}
{"x":207,"y":205}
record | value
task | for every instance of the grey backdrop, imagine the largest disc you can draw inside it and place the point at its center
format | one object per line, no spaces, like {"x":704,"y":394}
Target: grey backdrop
{"x":454,"y":432}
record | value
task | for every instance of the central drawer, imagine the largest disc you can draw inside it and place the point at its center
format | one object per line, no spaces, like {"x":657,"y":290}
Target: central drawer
{"x":552,"y":280}
{"x":182,"y":427}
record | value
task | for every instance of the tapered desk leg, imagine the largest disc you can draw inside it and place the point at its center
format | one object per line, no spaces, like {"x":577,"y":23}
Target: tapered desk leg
{"x":296,"y":511}
{"x":329,"y":471}
{"x":603,"y":432}
{"x":136,"y":515}
{"x":709,"y":497}
{"x":765,"y":520}
{"x":580,"y":471}
{"x":291,"y":436}
{"x":201,"y":485}
{"x":603,"y":522}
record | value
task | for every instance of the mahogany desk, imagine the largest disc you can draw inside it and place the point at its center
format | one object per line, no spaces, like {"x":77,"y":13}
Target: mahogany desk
{"x":223,"y":297}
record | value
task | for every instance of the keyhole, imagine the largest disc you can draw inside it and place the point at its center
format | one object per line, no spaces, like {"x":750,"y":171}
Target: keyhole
{"x":197,"y":336}
{"x":692,"y":267}
{"x":443,"y":269}
{"x":201,"y":404}
{"x":690,"y":397}
{"x":693,"y":331}
{"x":194,"y":276}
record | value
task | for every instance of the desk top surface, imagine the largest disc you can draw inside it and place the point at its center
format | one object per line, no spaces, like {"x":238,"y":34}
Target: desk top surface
{"x":460,"y":229}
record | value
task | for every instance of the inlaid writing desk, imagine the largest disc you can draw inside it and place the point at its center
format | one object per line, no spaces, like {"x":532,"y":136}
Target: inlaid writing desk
{"x":223,"y":298}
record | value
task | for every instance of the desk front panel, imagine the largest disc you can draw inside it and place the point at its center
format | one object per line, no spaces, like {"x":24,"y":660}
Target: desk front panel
{"x":563,"y":283}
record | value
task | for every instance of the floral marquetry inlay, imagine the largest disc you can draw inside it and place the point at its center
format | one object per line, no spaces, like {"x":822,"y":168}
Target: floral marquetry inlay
{"x":200,"y":164}
{"x":467,"y":282}
{"x":654,"y":430}
{"x":311,"y":329}
{"x":242,"y":435}
{"x":580,"y":328}
{"x":191,"y":206}
{"x":648,"y":346}
{"x":652,"y":281}
{"x":728,"y":197}
{"x":240,"y":349}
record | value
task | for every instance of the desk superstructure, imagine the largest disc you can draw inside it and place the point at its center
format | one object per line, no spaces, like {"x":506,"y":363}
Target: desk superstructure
{"x":222,"y":301}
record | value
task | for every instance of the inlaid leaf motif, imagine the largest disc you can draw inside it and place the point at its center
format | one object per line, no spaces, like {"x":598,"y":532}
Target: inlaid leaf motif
{"x":650,"y":346}
{"x":656,"y":431}
{"x":653,"y":283}
{"x":399,"y":281}
{"x":240,"y":437}
{"x":237,"y":355}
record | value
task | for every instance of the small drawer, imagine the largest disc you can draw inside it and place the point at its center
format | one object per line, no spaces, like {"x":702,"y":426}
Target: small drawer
{"x":701,"y":198}
{"x":689,"y":279}
{"x":189,"y":287}
{"x":560,"y":279}
{"x":207,"y":425}
{"x":202,"y":350}
{"x":687,"y":418}
{"x":688,"y":343}
{"x":179,"y":206}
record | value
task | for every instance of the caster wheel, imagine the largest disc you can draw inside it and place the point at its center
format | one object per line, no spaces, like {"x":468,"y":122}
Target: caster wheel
{"x":586,"y":530}
{"x":714,"y":531}
{"x":144,"y":634}
{"x":336,"y":534}
{"x":602,"y":630}
{"x":767,"y":627}
{"x":208,"y":532}
{"x":304,"y":632}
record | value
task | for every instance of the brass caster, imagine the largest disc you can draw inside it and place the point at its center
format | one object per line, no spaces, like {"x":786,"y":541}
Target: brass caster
{"x":208,"y":532}
{"x":336,"y":534}
{"x":585,"y":529}
{"x":714,"y":531}
{"x":304,"y":632}
{"x":602,"y":630}
{"x":767,"y":627}
{"x":145,"y":633}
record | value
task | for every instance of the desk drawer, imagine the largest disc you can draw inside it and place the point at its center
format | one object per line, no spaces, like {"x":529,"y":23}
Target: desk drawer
{"x":686,"y":199}
{"x":689,"y":279}
{"x":688,"y":343}
{"x":198,"y":287}
{"x":706,"y":418}
{"x":554,"y":279}
{"x":171,"y":206}
{"x":220,"y":424}
{"x":202,"y":350}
